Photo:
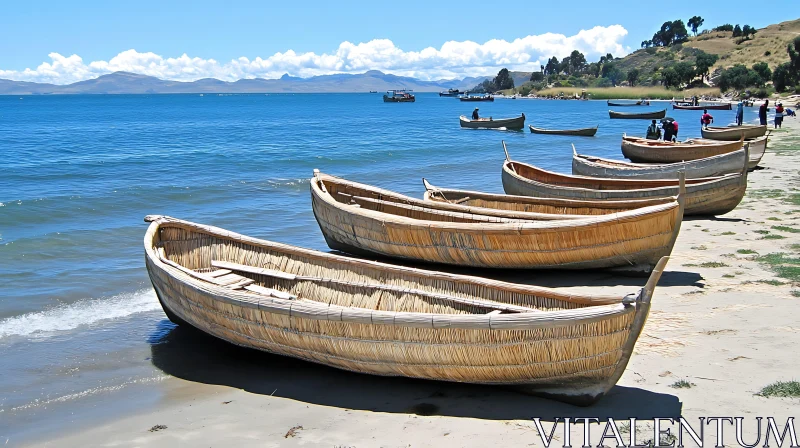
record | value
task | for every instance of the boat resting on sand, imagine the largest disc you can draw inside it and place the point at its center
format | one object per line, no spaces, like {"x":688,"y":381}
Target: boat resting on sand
{"x":638,"y":115}
{"x":584,"y":132}
{"x":704,"y":196}
{"x":641,"y":150}
{"x":726,"y":106}
{"x":490,"y":123}
{"x":585,"y":165}
{"x":364,"y":220}
{"x":387,"y":320}
{"x":733,"y":132}
{"x":507,"y":205}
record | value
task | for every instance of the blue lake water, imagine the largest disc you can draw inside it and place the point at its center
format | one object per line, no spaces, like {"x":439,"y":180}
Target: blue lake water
{"x":78,"y":174}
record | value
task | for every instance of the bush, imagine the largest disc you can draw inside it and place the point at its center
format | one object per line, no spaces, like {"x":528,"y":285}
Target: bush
{"x":767,"y":53}
{"x":727,"y":27}
{"x":651,"y":50}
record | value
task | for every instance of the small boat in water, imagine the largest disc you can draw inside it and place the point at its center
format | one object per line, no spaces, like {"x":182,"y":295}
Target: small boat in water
{"x":398,"y":96}
{"x":720,"y":165}
{"x":373,"y":91}
{"x":388,"y":320}
{"x":584,"y":132}
{"x":477,"y":98}
{"x":638,"y":115}
{"x":618,"y":104}
{"x":733,"y":132}
{"x":726,"y":106}
{"x":451,"y":92}
{"x":515,"y":123}
{"x":365,"y":220}
{"x":642,"y":150}
{"x":704,"y":196}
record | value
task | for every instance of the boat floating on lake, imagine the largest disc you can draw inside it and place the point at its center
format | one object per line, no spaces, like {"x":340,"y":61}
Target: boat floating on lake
{"x":398,"y":96}
{"x":515,"y":123}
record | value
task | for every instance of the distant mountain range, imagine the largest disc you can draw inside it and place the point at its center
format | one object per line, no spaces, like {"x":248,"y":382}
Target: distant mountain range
{"x":131,"y":83}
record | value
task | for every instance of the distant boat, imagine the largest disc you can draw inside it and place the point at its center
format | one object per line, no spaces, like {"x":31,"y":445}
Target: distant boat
{"x":489,"y":123}
{"x":584,"y":132}
{"x":477,"y":98}
{"x":681,"y":106}
{"x":638,"y":116}
{"x":451,"y":92}
{"x":373,"y":91}
{"x":638,"y":103}
{"x":398,"y":96}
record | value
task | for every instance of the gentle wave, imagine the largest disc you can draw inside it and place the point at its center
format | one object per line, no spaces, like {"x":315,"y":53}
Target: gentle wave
{"x":74,"y":315}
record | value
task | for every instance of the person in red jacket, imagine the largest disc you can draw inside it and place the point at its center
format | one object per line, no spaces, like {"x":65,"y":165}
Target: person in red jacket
{"x":675,"y":132}
{"x":706,"y":119}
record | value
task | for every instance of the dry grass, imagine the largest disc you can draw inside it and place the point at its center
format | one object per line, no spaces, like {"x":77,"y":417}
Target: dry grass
{"x":610,"y":93}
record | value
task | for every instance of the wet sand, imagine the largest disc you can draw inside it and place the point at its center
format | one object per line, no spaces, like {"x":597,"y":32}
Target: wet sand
{"x":721,"y":320}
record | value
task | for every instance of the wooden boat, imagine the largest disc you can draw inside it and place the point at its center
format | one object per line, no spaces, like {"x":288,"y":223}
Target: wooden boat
{"x":726,"y":106}
{"x":527,"y":207}
{"x":490,"y":123}
{"x":639,"y":115}
{"x":364,"y":220}
{"x":758,"y":147}
{"x":585,"y":165}
{"x":477,"y":98}
{"x":638,"y":103}
{"x":387,"y":320}
{"x":585,"y":132}
{"x":704,"y":196}
{"x":657,"y":151}
{"x":733,"y":132}
{"x":451,"y":92}
{"x":399,"y":96}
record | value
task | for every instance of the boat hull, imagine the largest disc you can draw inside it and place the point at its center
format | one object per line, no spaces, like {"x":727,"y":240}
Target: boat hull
{"x":476,"y":98}
{"x":709,"y":107}
{"x":733,"y":132}
{"x":638,"y":116}
{"x":338,"y":327}
{"x":633,"y":240}
{"x":583,"y":165}
{"x":585,"y":132}
{"x":654,"y":151}
{"x":716,"y":196}
{"x":516,"y":123}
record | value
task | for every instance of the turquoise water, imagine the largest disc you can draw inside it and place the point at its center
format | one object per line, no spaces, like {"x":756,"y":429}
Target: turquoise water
{"x":77,"y":314}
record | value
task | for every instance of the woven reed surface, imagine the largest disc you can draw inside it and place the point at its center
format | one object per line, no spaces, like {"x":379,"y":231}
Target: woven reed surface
{"x":539,"y":205}
{"x":703,"y":197}
{"x":634,"y":238}
{"x":731,"y":162}
{"x":643,"y":152}
{"x":575,"y":358}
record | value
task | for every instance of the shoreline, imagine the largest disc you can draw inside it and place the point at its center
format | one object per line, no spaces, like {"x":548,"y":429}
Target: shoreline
{"x":721,"y":319}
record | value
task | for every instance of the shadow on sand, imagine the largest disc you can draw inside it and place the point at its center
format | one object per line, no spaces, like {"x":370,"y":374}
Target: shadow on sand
{"x":189,"y":354}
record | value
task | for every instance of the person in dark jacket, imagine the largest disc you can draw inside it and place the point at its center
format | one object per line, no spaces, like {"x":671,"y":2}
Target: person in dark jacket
{"x":762,"y":112}
{"x":475,"y":115}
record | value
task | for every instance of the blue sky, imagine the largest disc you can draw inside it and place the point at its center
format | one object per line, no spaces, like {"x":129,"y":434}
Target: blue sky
{"x":99,"y":31}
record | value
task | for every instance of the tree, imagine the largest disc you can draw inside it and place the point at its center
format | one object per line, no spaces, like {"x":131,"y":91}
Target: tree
{"x":763,"y":70}
{"x":739,"y":77}
{"x":670,"y":33}
{"x":704,"y":62}
{"x":503,"y":80}
{"x":685,"y":72}
{"x":670,"y":78}
{"x":552,"y":66}
{"x":633,"y":76}
{"x":647,"y":43}
{"x":695,"y":23}
{"x":794,"y":55}
{"x":613,"y":74}
{"x":537,"y":77}
{"x":782,"y":77}
{"x":577,"y":62}
{"x":737,"y":31}
{"x":727,"y":27}
{"x":748,"y":31}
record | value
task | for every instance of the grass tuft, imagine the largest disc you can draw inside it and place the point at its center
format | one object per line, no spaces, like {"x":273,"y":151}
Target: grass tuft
{"x":746,"y":251}
{"x":728,"y":276}
{"x":682,"y":384}
{"x":728,"y":233}
{"x":699,"y":247}
{"x":762,"y":232}
{"x":772,"y":237}
{"x":781,"y":389}
{"x":713,"y":264}
{"x":786,"y":229}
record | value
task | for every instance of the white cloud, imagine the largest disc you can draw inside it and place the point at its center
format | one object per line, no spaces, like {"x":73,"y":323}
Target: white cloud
{"x":452,"y":60}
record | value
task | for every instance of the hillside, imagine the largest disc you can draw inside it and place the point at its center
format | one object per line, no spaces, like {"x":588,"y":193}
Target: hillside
{"x":768,"y":45}
{"x":131,"y":83}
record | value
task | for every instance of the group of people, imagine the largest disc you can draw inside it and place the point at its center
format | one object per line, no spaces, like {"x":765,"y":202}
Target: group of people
{"x":780,"y":112}
{"x":669,"y":126}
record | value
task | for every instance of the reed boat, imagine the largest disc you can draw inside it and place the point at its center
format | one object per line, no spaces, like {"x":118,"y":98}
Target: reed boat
{"x":638,"y":115}
{"x":364,"y":220}
{"x":584,"y":132}
{"x":708,"y":107}
{"x":506,"y":205}
{"x":477,"y":98}
{"x":585,"y":165}
{"x":490,"y":123}
{"x":733,"y":132}
{"x":638,"y":103}
{"x":656,"y":151}
{"x":380,"y":319}
{"x":704,"y":196}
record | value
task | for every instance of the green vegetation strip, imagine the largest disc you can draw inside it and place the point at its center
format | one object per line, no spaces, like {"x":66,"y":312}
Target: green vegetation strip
{"x":781,"y":389}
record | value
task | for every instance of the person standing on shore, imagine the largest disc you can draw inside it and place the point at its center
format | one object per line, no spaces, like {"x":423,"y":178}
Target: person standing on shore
{"x":706,"y":119}
{"x":778,"y":115}
{"x":668,"y":130}
{"x":674,"y":131}
{"x":653,"y":132}
{"x":762,"y":113}
{"x":739,"y":113}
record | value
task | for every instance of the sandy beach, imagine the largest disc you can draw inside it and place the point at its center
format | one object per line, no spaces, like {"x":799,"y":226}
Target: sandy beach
{"x":723,"y":321}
